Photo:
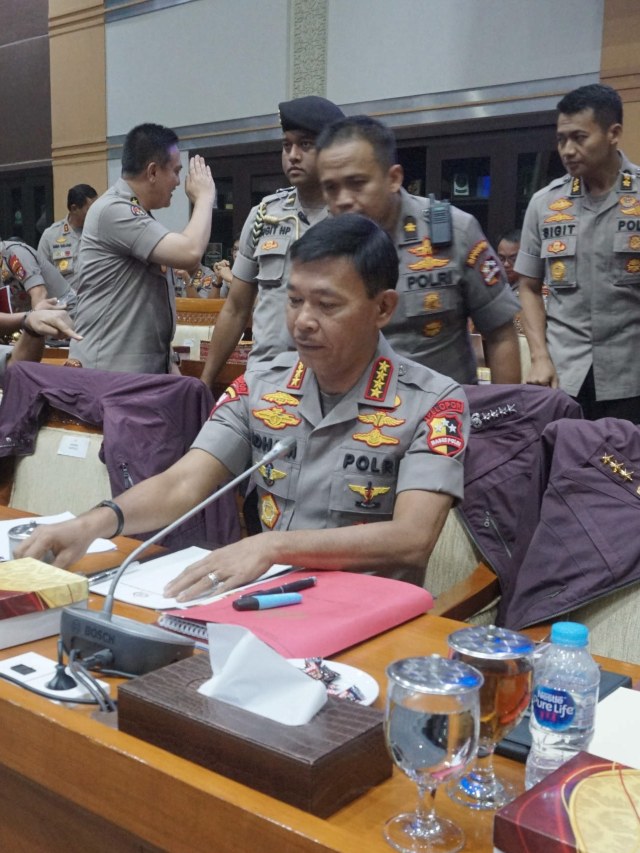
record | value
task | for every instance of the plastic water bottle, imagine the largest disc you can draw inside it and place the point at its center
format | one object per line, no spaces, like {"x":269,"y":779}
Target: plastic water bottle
{"x":566,"y":681}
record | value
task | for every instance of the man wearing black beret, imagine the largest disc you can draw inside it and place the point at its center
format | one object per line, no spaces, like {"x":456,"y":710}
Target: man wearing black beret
{"x":262,"y":262}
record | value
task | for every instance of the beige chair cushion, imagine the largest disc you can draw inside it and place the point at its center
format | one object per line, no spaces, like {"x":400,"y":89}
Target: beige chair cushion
{"x":453,"y":559}
{"x":47,"y":482}
{"x":614,"y":624}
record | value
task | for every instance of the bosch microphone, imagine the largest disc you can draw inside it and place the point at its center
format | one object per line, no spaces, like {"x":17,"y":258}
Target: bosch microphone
{"x":134,"y":647}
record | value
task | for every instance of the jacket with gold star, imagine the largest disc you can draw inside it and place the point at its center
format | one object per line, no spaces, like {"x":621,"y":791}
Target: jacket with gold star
{"x":401,"y":427}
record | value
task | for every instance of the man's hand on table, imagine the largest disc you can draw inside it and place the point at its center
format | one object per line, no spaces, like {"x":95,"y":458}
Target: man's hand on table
{"x":233,"y":566}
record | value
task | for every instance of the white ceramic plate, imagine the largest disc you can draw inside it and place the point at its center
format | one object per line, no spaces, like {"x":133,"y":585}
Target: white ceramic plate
{"x":348,"y":677}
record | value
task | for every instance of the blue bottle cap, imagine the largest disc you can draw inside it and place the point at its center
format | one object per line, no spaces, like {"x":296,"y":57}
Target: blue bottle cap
{"x":570,"y":634}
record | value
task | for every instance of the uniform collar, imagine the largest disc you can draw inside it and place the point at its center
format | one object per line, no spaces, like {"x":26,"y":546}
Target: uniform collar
{"x":376,"y":387}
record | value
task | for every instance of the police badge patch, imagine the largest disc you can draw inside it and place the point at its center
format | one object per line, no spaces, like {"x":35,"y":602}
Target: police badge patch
{"x":444,"y":427}
{"x":238,"y":388}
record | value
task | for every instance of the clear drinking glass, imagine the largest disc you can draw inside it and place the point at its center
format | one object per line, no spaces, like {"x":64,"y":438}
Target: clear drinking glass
{"x":431,"y":728}
{"x":505,"y":659}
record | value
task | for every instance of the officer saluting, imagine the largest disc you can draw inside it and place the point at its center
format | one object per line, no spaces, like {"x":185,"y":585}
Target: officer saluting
{"x":262,"y":263}
{"x":581,"y":237}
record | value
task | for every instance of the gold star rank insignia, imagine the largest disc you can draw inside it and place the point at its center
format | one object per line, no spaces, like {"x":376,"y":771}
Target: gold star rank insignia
{"x":379,"y":380}
{"x":606,"y":459}
{"x":297,"y":375}
{"x":626,"y":475}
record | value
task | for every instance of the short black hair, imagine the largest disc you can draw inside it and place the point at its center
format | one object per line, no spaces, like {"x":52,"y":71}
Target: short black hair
{"x":513,"y":236}
{"x":144,"y":144}
{"x":79,"y":194}
{"x":360,"y":240}
{"x":605,"y":102}
{"x":379,"y":136}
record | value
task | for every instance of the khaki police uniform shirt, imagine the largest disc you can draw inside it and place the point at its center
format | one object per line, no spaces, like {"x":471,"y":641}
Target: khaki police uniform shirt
{"x":441,"y":287}
{"x":263,"y":260}
{"x":21,"y":270}
{"x":588,"y":253}
{"x":126,"y":303}
{"x":401,"y":427}
{"x":60,"y":245}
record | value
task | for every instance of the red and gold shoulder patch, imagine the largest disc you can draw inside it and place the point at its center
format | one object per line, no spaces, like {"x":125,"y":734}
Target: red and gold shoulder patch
{"x":490,"y":272}
{"x":472,"y":258}
{"x":379,"y":380}
{"x":556,"y":247}
{"x":237,"y":389}
{"x":444,"y":424}
{"x":297,"y":375}
{"x":16,"y":267}
{"x":138,"y":211}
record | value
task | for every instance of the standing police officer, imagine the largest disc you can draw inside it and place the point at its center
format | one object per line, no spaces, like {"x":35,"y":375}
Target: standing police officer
{"x":60,"y":242}
{"x":262,"y":263}
{"x":581,"y":236}
{"x":446,"y":275}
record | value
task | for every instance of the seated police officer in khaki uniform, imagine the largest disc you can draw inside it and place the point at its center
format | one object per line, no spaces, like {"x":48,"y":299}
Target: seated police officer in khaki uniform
{"x":378,"y":440}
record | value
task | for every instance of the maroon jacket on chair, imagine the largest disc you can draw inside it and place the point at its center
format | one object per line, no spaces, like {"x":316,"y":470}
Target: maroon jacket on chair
{"x":148,"y":422}
{"x":502,"y":456}
{"x":584,"y":543}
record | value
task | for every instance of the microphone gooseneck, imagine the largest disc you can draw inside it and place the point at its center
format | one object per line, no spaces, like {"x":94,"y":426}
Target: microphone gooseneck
{"x":280,"y":448}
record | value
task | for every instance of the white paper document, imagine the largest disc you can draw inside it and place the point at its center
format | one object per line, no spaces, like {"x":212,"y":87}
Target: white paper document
{"x":142,"y":583}
{"x":96,"y":547}
{"x":616,"y":735}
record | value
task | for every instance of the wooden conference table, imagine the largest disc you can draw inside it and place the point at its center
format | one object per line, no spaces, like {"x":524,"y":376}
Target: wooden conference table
{"x":70,"y":782}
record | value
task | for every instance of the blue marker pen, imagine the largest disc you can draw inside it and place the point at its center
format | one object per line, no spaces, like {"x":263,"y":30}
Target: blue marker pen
{"x":265,"y":602}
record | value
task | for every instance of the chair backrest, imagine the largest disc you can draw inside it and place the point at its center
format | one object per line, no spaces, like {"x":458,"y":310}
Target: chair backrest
{"x":454,"y":557}
{"x":525,"y":357}
{"x":614,"y":624}
{"x":52,"y":479}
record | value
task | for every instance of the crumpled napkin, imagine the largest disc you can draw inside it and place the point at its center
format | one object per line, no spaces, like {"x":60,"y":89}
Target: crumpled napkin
{"x":251,"y":675}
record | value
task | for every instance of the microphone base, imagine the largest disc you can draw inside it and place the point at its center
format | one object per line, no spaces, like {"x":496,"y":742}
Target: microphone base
{"x":136,"y":648}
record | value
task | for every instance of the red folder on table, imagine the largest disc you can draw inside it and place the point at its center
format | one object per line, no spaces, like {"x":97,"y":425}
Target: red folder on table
{"x":343,"y":609}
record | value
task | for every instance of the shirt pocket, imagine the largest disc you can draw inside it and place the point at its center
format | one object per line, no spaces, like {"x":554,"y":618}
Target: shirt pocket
{"x":276,"y":482}
{"x":357,"y":498}
{"x":271,"y":255}
{"x":431,"y":301}
{"x":559,"y":255}
{"x":626,"y":259}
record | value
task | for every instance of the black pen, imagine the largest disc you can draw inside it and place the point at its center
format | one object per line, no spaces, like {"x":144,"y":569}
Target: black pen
{"x":102,"y":576}
{"x":294,"y":586}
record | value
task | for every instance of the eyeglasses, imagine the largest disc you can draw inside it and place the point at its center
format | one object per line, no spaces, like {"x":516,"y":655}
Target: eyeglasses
{"x":508,"y":259}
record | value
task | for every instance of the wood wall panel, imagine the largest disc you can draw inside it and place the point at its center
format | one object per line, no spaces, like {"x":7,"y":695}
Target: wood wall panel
{"x":25,"y":97}
{"x":620,"y":65}
{"x":78,"y":120}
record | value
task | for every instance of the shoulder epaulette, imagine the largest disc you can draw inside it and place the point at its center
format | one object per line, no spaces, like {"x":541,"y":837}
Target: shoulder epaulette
{"x":278,"y":195}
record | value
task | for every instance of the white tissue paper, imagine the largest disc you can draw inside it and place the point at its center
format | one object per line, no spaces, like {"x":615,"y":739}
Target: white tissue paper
{"x":251,"y":675}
